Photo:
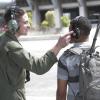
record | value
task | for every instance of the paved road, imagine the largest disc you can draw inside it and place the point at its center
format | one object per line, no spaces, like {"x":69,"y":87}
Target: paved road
{"x":42,"y":87}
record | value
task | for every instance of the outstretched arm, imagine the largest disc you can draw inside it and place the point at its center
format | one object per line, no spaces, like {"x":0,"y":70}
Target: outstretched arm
{"x":21,"y":58}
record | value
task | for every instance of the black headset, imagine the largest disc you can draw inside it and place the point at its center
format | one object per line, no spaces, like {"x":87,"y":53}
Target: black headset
{"x":12,"y":23}
{"x":75,"y":27}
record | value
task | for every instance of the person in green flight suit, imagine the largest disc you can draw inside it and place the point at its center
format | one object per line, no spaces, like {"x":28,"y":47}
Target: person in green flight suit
{"x":14,"y":60}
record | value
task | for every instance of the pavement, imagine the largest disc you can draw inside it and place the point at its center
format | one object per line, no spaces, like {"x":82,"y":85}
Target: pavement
{"x":42,"y":87}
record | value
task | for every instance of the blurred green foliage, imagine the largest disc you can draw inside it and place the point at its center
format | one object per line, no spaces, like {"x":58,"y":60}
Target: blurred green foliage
{"x":45,"y":24}
{"x":65,"y":20}
{"x":30,"y":17}
{"x":49,"y":21}
{"x":49,"y":16}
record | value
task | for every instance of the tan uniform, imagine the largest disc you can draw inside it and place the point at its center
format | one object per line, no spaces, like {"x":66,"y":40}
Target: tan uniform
{"x":14,"y":61}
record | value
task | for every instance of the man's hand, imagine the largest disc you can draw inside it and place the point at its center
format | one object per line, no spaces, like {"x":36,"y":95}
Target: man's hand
{"x":63,"y":41}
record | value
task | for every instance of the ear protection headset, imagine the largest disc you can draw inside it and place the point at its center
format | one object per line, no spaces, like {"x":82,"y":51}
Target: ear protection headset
{"x":75,"y":27}
{"x":12,"y":24}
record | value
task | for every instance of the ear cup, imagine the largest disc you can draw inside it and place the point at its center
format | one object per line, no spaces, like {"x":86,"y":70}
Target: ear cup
{"x":75,"y":27}
{"x":13,"y":25}
{"x":76,"y":33}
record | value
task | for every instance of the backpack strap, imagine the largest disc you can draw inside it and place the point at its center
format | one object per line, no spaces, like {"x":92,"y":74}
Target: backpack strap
{"x":70,"y":78}
{"x":76,"y":51}
{"x":61,"y":62}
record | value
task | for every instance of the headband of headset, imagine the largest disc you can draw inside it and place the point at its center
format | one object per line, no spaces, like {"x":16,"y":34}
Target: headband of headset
{"x":75,"y":27}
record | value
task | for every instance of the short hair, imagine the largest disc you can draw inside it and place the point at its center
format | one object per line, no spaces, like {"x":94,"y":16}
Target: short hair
{"x":82,"y":23}
{"x":17,"y":11}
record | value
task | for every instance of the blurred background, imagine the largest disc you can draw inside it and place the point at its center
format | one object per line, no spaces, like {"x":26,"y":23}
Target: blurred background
{"x":56,"y":14}
{"x":49,"y":19}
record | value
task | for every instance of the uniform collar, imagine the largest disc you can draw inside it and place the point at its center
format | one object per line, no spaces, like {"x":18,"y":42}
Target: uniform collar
{"x":82,"y":45}
{"x":11,"y":35}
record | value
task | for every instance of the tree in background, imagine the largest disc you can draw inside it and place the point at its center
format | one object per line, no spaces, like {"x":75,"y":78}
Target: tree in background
{"x":48,"y":22}
{"x":49,"y":16}
{"x":45,"y":24}
{"x":65,"y":20}
{"x":30,"y":17}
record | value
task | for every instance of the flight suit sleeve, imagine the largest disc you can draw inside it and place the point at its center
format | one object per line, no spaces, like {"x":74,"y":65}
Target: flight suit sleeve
{"x":37,"y":65}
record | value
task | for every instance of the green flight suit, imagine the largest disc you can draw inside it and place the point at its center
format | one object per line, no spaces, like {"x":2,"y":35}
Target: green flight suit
{"x":14,"y":61}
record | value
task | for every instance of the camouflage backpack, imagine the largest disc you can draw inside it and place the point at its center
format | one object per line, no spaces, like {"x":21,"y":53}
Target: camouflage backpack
{"x":89,"y":75}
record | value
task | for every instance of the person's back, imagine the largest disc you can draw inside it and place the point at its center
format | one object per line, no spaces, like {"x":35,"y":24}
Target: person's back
{"x":68,"y":71}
